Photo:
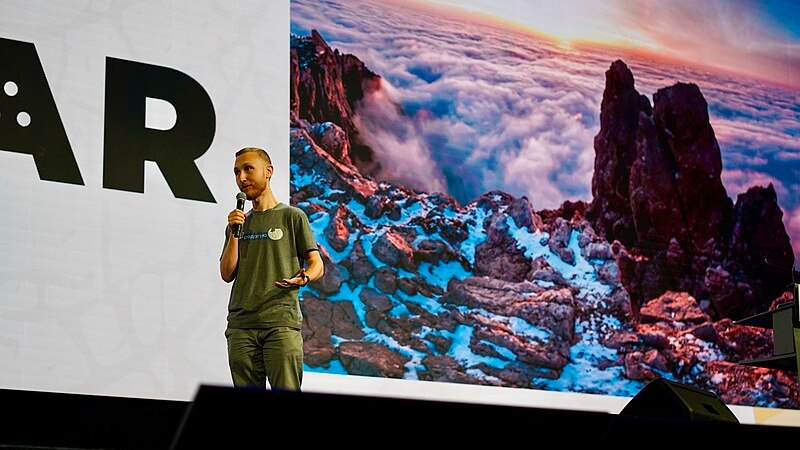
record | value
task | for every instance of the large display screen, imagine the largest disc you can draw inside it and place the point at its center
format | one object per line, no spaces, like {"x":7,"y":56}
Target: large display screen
{"x":572,"y":197}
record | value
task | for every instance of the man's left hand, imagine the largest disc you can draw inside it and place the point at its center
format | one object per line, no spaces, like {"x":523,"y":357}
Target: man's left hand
{"x":296,"y":282}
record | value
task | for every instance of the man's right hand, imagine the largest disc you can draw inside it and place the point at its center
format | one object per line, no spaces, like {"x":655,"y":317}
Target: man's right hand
{"x":236,"y":216}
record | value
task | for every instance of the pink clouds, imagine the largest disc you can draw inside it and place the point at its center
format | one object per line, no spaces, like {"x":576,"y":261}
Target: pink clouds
{"x":494,"y":108}
{"x":754,"y":135}
{"x":739,"y":181}
{"x":791,"y":219}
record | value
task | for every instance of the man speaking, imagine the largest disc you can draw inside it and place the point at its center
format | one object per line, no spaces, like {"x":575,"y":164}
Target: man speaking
{"x":272,"y":255}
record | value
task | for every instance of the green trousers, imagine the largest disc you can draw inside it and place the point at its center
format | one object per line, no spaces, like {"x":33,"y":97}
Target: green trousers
{"x":273,"y":354}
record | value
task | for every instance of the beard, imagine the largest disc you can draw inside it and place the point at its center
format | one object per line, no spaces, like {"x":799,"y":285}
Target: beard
{"x":254,"y":189}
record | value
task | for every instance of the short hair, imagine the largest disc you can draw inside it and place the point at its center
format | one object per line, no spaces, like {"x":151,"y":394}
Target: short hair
{"x":261,"y":152}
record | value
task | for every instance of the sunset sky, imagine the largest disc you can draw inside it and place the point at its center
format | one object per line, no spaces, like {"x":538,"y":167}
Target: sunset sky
{"x":758,"y":38}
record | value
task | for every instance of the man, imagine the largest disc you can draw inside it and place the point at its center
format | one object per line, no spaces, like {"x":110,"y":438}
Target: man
{"x":266,"y":266}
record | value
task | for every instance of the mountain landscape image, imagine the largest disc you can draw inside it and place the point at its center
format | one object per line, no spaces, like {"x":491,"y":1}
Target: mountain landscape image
{"x":495,"y":209}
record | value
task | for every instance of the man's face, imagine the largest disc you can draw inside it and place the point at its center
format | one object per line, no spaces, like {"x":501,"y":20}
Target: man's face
{"x":252,"y":174}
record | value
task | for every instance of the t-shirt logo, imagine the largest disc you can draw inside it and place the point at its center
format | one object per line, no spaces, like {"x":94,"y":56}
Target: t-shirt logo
{"x":275,"y":234}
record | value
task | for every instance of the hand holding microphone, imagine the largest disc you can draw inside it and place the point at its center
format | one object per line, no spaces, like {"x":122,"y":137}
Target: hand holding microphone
{"x":236,"y":217}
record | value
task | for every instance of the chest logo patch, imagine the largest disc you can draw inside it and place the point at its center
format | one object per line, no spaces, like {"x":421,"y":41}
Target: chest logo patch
{"x":275,"y":234}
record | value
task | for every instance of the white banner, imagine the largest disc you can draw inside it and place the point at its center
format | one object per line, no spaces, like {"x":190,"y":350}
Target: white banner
{"x":115,"y":189}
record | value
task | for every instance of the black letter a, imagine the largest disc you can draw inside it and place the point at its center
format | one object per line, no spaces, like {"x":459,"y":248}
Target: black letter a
{"x":42,"y":134}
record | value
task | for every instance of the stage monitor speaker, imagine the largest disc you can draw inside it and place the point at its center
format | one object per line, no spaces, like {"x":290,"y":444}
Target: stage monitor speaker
{"x":665,"y":399}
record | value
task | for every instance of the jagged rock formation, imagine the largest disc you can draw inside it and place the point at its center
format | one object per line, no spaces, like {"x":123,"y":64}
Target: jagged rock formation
{"x":615,"y":146}
{"x":325,"y":87}
{"x":657,"y":190}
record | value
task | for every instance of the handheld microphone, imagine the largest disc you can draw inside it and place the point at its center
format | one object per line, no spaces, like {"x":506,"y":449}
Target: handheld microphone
{"x":238,"y":229}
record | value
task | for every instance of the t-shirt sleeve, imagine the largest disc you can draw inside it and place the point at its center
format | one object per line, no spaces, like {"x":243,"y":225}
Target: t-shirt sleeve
{"x":305,"y":240}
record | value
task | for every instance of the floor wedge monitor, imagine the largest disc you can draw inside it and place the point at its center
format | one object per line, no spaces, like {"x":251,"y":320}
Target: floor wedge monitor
{"x":662,"y":398}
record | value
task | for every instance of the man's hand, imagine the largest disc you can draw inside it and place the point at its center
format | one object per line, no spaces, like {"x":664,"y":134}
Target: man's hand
{"x":235,"y":217}
{"x":296,"y":282}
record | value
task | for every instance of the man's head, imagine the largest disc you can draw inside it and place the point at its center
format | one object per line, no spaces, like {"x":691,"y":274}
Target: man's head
{"x":253,"y":170}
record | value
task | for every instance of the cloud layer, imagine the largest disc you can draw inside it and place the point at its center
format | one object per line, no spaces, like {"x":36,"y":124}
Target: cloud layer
{"x":488,"y":107}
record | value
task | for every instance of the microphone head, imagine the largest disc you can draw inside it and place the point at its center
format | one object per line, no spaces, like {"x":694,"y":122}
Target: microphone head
{"x":241,"y":196}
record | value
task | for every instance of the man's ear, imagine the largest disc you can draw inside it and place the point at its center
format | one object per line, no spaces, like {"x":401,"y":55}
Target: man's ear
{"x":268,"y":171}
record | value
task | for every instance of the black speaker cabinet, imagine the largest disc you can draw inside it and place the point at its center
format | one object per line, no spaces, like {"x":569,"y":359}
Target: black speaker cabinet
{"x":665,"y":399}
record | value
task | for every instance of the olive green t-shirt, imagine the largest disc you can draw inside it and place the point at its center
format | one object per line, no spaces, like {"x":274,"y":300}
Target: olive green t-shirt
{"x":272,"y":248}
